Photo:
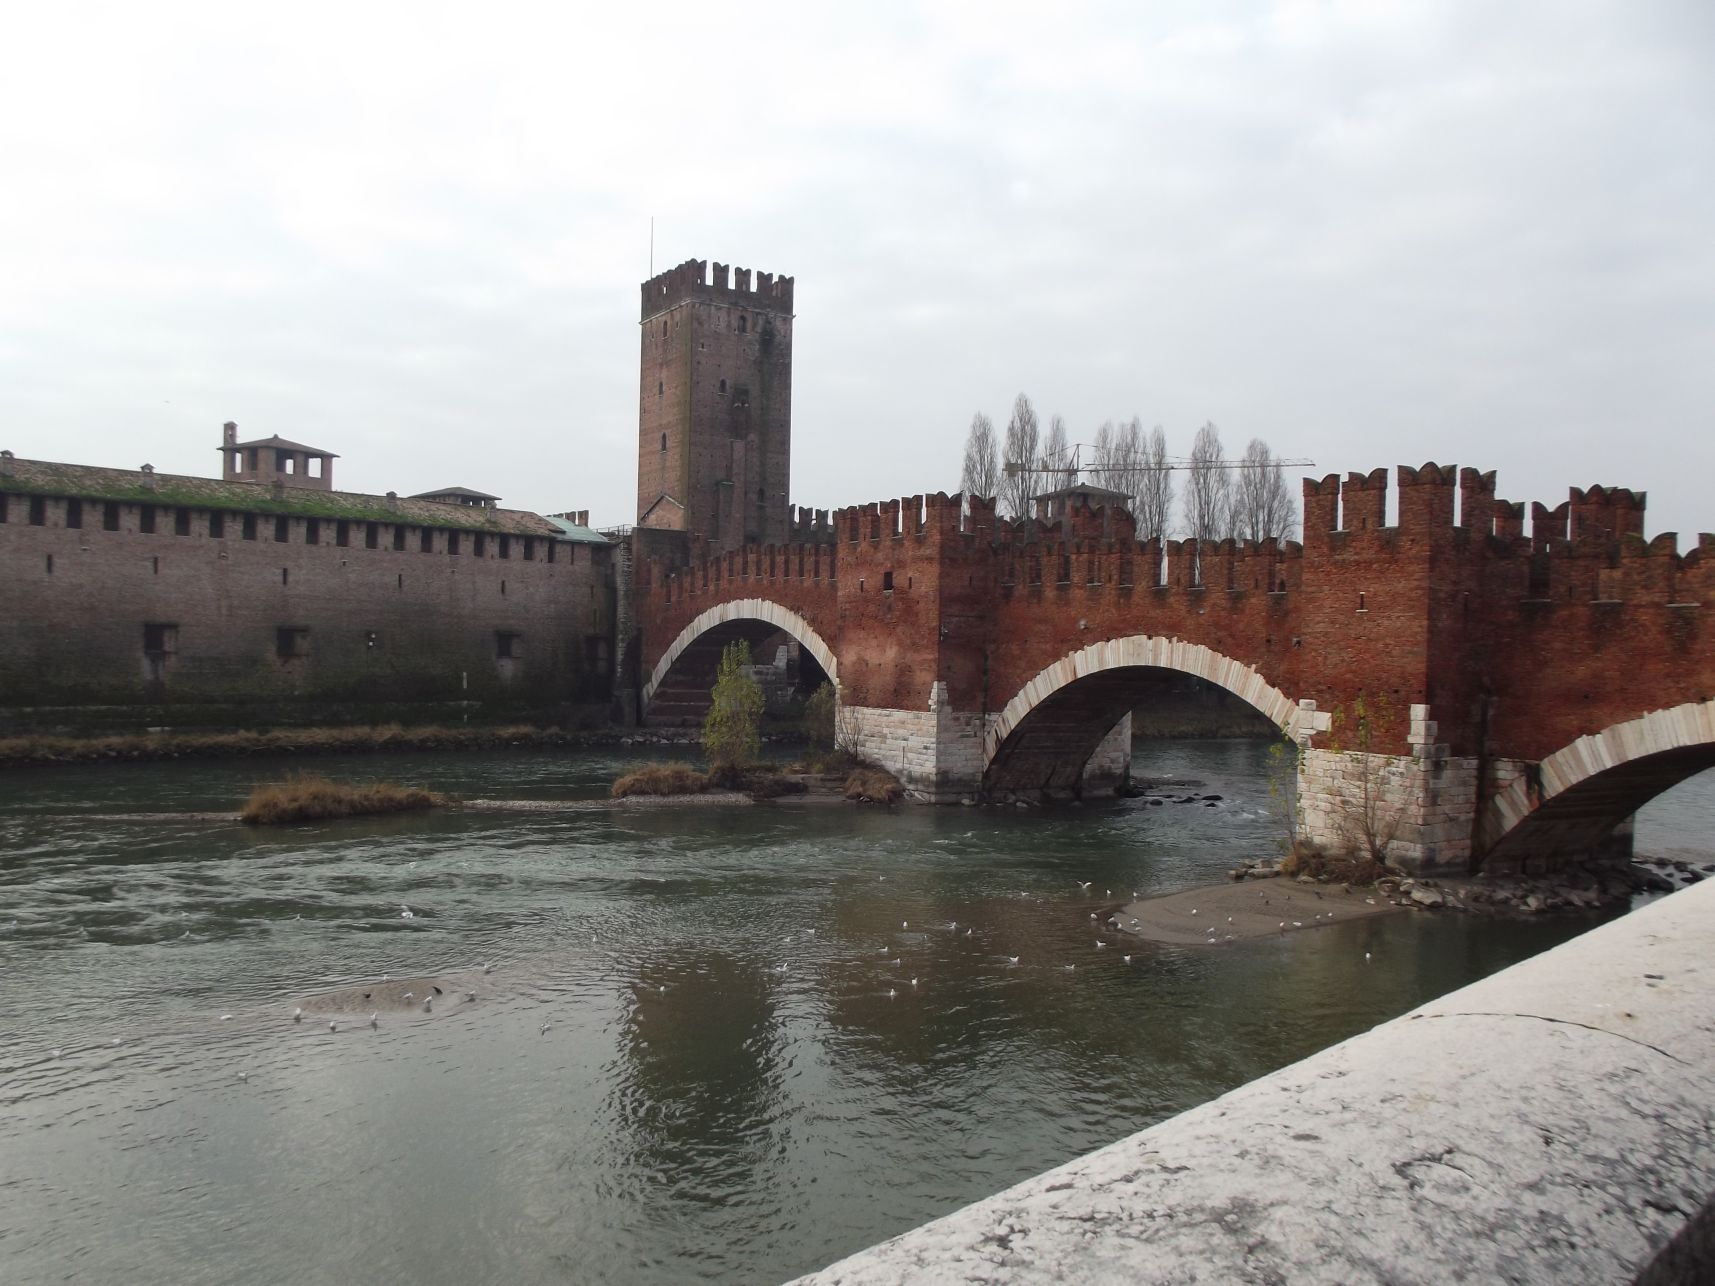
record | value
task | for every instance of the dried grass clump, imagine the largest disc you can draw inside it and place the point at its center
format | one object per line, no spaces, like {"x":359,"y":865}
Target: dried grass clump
{"x":661,"y":779}
{"x":307,"y":798}
{"x":827,"y":763}
{"x":871,"y":785}
{"x":1330,"y":868}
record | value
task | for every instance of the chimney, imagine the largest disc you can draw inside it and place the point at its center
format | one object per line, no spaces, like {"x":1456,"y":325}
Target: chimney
{"x":231,"y":429}
{"x":6,"y":459}
{"x":148,"y":472}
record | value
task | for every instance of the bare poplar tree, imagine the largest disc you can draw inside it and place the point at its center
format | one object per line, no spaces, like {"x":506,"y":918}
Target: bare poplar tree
{"x":1262,"y":505}
{"x":1102,"y":458}
{"x":981,"y":473}
{"x":1151,"y":481}
{"x":1208,"y":488}
{"x":1021,"y":450}
{"x":1056,"y":457}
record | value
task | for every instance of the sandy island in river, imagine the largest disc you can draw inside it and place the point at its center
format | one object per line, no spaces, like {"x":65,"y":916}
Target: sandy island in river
{"x":1246,"y":909}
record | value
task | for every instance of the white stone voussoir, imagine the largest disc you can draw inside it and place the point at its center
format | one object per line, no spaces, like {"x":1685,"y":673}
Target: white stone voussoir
{"x":744,"y":609}
{"x":1148,"y":650}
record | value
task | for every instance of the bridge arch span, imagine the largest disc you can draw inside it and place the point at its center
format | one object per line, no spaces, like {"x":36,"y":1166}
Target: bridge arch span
{"x":1571,"y":801}
{"x":740,"y":610}
{"x":1047,"y":732}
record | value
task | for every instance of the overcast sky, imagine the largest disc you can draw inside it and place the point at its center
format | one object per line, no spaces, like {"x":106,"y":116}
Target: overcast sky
{"x":1369,"y":233}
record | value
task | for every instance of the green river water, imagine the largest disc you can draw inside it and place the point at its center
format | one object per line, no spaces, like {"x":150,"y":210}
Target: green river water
{"x":735,"y":1084}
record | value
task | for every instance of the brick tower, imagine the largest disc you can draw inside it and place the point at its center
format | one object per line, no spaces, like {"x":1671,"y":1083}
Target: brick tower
{"x":715,"y":405}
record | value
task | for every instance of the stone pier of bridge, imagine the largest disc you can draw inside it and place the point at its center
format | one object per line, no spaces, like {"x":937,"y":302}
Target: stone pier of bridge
{"x":1453,"y":688}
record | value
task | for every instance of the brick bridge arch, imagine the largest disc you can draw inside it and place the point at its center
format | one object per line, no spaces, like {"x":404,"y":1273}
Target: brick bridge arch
{"x":1572,"y":800}
{"x":1046,"y":734}
{"x":740,"y":610}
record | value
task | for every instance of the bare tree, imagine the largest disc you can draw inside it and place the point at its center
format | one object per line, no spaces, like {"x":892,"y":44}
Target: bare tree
{"x":1101,"y":468}
{"x":1021,"y":450}
{"x":981,"y":473}
{"x":1262,"y":504}
{"x":1057,"y":468}
{"x":1151,"y":482}
{"x":1208,"y":489}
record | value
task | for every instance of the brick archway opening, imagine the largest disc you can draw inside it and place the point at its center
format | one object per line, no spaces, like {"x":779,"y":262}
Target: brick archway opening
{"x":1043,"y":740}
{"x":678,"y":686}
{"x":1571,"y":803}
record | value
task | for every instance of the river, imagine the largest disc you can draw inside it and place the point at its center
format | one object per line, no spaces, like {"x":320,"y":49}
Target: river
{"x":735,"y":1082}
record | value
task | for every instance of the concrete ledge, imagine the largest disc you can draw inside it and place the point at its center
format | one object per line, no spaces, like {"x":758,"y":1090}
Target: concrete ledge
{"x":1553,"y":1123}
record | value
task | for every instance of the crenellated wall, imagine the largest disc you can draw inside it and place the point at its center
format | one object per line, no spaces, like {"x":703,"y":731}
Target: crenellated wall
{"x":1449,"y":617}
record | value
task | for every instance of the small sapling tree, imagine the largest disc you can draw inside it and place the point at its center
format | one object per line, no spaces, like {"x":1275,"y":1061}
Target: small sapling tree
{"x":819,"y":712}
{"x":731,"y":736}
{"x":1372,"y":819}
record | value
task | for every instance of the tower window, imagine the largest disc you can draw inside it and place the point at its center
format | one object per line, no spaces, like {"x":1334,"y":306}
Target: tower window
{"x":663,"y":441}
{"x":660,"y":388}
{"x":663,"y":328}
{"x":723,"y":386}
{"x":743,"y":323}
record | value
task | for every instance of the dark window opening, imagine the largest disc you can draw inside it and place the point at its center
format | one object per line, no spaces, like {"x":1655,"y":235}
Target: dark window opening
{"x":291,"y":641}
{"x":282,"y":462}
{"x":181,"y":522}
{"x":38,"y":511}
{"x":529,"y":549}
{"x":663,"y":441}
{"x":50,"y":564}
{"x":401,"y":580}
{"x":157,"y":564}
{"x":74,"y":514}
{"x":250,"y":459}
{"x":342,"y":533}
{"x":660,"y":387}
{"x":723,"y":386}
{"x":452,"y":542}
{"x":743,"y":323}
{"x":426,"y":541}
{"x":503,"y":589}
{"x":372,"y":535}
{"x":216,"y":525}
{"x":508,"y":645}
{"x":110,"y":516}
{"x":398,"y":537}
{"x":551,"y":551}
{"x":663,"y":328}
{"x":887,"y":580}
{"x":285,"y":576}
{"x":1361,"y":606}
{"x":4,"y":516}
{"x":506,"y":546}
{"x":160,"y":640}
{"x":282,"y":530}
{"x":146,"y":519}
{"x":479,"y":544}
{"x":312,"y":531}
{"x":250,"y":526}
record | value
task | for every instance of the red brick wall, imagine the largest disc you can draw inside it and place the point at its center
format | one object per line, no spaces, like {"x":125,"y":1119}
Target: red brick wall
{"x":76,"y":603}
{"x":1537,"y":640}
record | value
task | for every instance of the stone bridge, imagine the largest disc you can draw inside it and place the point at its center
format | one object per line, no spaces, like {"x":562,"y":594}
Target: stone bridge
{"x":1476,"y":693}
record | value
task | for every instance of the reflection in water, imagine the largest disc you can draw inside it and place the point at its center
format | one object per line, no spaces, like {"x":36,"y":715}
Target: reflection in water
{"x":695,"y":1057}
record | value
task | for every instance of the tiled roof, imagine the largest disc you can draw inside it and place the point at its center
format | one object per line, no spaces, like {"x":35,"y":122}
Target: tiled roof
{"x":98,"y":483}
{"x":454,"y":491}
{"x":279,"y":443}
{"x":570,"y":530}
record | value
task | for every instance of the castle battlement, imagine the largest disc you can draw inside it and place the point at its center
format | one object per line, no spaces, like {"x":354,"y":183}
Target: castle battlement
{"x":692,"y":280}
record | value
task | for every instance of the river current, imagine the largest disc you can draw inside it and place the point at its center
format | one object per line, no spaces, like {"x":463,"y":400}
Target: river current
{"x":722,"y":1044}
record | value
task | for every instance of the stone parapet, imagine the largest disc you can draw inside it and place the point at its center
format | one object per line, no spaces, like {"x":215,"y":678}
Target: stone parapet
{"x":1401,"y":1155}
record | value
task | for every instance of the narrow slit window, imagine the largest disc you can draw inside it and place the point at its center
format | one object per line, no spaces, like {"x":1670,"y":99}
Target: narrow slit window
{"x":506,"y":547}
{"x":74,"y":514}
{"x":216,"y":525}
{"x":312,"y":531}
{"x":342,"y":533}
{"x":38,"y":511}
{"x":372,"y":535}
{"x":249,"y":526}
{"x":452,"y":542}
{"x":282,"y":530}
{"x":398,"y":537}
{"x":426,"y":541}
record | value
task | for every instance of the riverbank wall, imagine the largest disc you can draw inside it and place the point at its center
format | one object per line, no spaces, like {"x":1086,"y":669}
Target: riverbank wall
{"x":1551,"y":1123}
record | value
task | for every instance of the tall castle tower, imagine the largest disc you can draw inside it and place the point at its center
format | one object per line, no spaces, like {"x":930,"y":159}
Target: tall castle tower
{"x":715,"y":405}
